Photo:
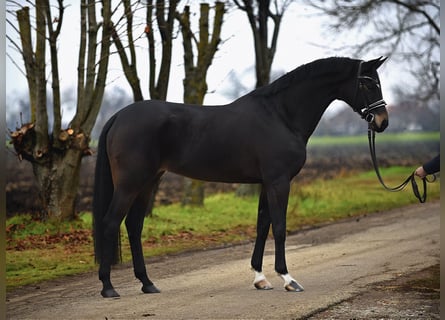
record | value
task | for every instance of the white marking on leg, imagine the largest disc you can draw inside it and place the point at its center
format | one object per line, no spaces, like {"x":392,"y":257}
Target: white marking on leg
{"x":259,"y":276}
{"x":290,"y":282}
{"x":287,"y":278}
{"x":261,"y":282}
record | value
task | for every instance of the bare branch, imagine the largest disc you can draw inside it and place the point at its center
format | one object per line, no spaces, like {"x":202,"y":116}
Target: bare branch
{"x":82,"y":49}
{"x":53,"y":35}
{"x":158,"y":88}
{"x":14,"y":44}
{"x":16,"y":64}
{"x":405,"y":29}
{"x":128,"y":63}
{"x":258,"y":16}
{"x":417,"y":8}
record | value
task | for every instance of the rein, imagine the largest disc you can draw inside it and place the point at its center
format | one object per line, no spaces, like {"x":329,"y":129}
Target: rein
{"x":368,"y":116}
{"x":411,"y":178}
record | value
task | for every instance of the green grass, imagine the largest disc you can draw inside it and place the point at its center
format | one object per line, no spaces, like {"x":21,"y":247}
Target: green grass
{"x":329,"y":200}
{"x":39,"y":251}
{"x":380,"y":138}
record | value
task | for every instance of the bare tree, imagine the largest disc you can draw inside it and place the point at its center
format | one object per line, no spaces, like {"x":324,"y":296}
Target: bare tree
{"x":158,"y":88}
{"x":259,"y":14}
{"x":164,"y":18}
{"x":195,"y":83}
{"x":404,"y":29}
{"x":56,"y":152}
{"x":128,"y":61}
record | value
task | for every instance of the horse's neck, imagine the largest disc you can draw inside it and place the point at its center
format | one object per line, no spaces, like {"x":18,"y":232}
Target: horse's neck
{"x":306,"y":107}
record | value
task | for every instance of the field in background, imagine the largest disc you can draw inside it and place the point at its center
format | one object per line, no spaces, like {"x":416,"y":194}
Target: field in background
{"x":393,"y":138}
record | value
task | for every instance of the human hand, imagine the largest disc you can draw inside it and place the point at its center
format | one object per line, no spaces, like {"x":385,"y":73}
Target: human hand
{"x":420,"y":172}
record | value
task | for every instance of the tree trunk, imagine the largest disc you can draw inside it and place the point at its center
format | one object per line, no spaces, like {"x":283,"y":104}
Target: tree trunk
{"x":56,"y":172}
{"x":57,"y":193}
{"x":193,"y":192}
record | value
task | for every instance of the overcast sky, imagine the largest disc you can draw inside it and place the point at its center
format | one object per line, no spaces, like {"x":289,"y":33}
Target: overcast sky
{"x":302,"y":39}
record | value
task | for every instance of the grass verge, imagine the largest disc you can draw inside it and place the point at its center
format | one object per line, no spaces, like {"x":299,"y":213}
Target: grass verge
{"x":408,"y":137}
{"x":37,"y":251}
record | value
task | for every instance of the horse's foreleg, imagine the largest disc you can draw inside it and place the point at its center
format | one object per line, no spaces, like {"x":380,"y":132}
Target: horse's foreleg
{"x":263,"y":226}
{"x":277,"y":196}
{"x":134,"y":223}
{"x":290,"y":284}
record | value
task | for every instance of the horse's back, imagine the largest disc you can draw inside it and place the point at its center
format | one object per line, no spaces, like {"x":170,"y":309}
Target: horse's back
{"x":142,"y":120}
{"x":152,"y":127}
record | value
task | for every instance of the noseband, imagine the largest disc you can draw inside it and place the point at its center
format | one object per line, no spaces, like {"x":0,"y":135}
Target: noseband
{"x":365,"y":111}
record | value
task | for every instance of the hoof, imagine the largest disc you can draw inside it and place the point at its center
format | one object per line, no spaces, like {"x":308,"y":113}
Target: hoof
{"x":109,"y":293}
{"x":263,"y":285}
{"x":294,"y":286}
{"x":150,"y":289}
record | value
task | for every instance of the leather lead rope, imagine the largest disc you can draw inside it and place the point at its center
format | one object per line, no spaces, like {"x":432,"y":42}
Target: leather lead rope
{"x":411,"y":178}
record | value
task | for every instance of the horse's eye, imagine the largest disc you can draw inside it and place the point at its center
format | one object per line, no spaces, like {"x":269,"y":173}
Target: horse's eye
{"x":371,"y":85}
{"x":365,"y":86}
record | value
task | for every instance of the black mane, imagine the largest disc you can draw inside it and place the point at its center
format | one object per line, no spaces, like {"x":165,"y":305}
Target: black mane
{"x":306,"y":71}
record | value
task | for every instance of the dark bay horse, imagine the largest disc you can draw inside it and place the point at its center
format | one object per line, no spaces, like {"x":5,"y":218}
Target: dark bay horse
{"x":259,"y":138}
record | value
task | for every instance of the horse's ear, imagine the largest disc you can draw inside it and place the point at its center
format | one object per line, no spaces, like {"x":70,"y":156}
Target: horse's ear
{"x":374,"y":64}
{"x":379,"y":62}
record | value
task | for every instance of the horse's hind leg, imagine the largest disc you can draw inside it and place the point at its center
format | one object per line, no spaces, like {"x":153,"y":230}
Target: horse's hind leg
{"x":134,"y":223}
{"x":112,"y":221}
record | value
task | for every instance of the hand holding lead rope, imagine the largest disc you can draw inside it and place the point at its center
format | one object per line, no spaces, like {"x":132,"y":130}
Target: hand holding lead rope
{"x":411,"y":178}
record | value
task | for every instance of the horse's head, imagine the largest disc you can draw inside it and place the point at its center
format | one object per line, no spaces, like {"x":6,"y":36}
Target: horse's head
{"x":364,"y":95}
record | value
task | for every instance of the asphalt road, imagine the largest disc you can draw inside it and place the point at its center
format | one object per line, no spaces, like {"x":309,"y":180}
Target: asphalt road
{"x":333,"y":262}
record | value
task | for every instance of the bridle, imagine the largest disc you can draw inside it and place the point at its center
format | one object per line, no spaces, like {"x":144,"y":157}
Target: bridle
{"x":366,"y":113}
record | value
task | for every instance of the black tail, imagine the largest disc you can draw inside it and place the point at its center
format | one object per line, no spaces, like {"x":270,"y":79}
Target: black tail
{"x":103,"y":193}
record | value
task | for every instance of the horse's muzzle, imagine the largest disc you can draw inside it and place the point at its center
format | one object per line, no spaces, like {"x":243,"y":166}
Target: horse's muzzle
{"x":380,"y":122}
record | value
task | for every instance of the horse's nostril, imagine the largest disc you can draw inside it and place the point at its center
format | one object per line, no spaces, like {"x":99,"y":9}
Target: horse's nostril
{"x":380,"y":126}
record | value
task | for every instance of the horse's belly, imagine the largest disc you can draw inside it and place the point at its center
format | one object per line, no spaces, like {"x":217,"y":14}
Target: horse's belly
{"x":216,"y":170}
{"x":218,"y":177}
